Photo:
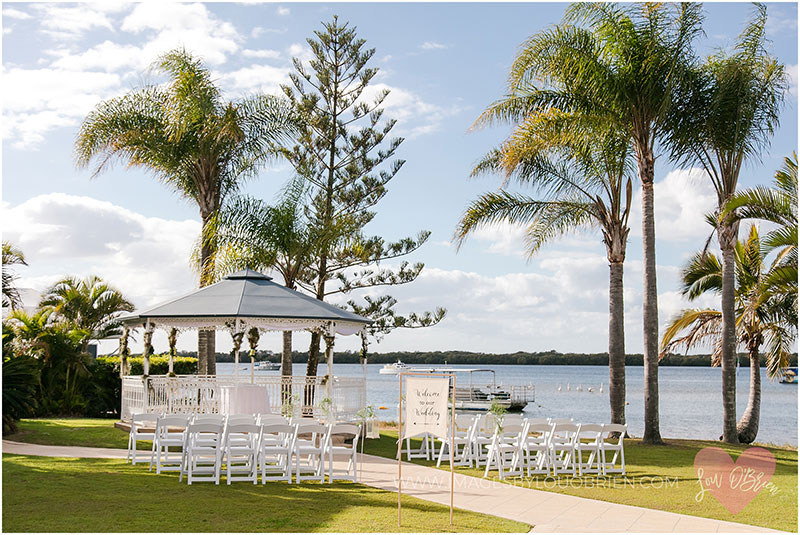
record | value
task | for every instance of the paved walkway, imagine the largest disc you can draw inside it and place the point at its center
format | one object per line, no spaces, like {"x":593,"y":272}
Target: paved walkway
{"x":545,"y":511}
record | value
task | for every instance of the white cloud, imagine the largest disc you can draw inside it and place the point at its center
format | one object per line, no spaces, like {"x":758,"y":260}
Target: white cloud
{"x":108,"y":56}
{"x":146,"y":257}
{"x":504,"y":238}
{"x":188,"y":25}
{"x":70,"y":22}
{"x":36,"y":101}
{"x":260,"y":30}
{"x":13,"y":13}
{"x":262,"y":78}
{"x":283,"y":11}
{"x":414,"y":116}
{"x":264,"y":53}
{"x":432,"y":45}
{"x":791,"y":74}
{"x":681,"y":201}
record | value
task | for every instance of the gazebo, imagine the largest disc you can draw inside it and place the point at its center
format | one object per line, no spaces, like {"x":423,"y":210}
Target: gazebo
{"x":237,"y":304}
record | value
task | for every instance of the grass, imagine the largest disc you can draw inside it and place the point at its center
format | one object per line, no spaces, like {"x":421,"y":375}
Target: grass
{"x":90,"y":432}
{"x":44,"y":494}
{"x":658,"y":477}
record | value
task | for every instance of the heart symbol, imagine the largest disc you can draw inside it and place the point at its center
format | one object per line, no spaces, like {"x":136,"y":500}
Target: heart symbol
{"x":734,"y":485}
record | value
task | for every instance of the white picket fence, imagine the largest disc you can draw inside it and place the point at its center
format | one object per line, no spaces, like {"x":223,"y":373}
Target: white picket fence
{"x":200,"y":394}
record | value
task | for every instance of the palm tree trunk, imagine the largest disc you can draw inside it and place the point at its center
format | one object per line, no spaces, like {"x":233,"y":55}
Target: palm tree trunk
{"x":727,"y":239}
{"x":747,"y":428}
{"x":652,"y":433}
{"x":206,"y":338}
{"x":286,"y":355}
{"x":616,"y":344}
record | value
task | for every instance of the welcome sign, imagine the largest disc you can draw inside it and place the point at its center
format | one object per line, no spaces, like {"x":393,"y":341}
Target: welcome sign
{"x":426,"y":406}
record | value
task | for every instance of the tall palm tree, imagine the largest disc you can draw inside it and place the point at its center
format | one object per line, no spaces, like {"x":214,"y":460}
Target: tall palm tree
{"x":617,"y":64}
{"x":11,"y":256}
{"x":195,"y":142}
{"x":728,"y":115}
{"x":251,"y":233}
{"x":89,"y":304}
{"x":777,"y":205}
{"x":582,"y":176}
{"x":760,"y":318}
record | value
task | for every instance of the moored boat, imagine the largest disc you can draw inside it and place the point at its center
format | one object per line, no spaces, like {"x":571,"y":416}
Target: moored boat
{"x":394,"y":369}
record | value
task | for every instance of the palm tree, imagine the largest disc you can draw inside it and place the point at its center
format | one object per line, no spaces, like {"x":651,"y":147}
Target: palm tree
{"x":11,"y":256}
{"x":199,"y":145}
{"x":728,"y":115}
{"x":760,"y":318}
{"x":624,"y":69}
{"x":89,"y":304}
{"x":777,"y":205}
{"x":251,"y":233}
{"x":582,"y":175}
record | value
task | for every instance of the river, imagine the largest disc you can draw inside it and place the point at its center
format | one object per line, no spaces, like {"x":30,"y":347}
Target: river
{"x":690,"y":397}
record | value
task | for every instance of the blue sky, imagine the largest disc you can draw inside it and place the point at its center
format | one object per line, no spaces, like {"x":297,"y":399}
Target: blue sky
{"x":444,"y":64}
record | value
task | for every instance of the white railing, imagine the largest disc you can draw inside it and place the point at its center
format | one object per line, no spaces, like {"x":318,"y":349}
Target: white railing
{"x":200,"y":394}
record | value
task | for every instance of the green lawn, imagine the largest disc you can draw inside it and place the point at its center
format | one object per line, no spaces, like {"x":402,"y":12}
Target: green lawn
{"x":659,"y":477}
{"x":43,"y":494}
{"x":91,"y":432}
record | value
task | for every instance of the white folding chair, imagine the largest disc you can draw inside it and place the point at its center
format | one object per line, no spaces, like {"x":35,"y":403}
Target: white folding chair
{"x":143,"y":427}
{"x":462,"y":441}
{"x":505,"y":450}
{"x":513,"y":419}
{"x":588,"y":441}
{"x":607,"y":444}
{"x":424,"y":451}
{"x":310,"y":443}
{"x":536,"y":448}
{"x":552,"y":421}
{"x":202,"y":454}
{"x":562,"y":448}
{"x":275,"y":451}
{"x":269,"y":418}
{"x":170,"y":433}
{"x":207,"y":419}
{"x":343,"y":450}
{"x":241,"y":452}
{"x":538,"y":421}
{"x":482,"y":435}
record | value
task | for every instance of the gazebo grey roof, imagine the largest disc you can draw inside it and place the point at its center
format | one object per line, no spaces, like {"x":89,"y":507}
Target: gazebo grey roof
{"x":254,"y":300}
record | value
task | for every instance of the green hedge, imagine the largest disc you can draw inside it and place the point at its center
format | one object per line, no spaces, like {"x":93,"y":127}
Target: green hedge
{"x":159,"y":364}
{"x":103,"y":389}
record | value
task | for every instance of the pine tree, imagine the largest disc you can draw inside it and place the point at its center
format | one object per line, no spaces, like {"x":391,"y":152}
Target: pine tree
{"x":346,"y":158}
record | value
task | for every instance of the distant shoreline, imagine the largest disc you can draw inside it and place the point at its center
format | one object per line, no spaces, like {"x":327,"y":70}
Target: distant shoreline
{"x":545,"y":358}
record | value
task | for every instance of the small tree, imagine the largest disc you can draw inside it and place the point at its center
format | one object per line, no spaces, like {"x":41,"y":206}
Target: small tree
{"x":11,"y":256}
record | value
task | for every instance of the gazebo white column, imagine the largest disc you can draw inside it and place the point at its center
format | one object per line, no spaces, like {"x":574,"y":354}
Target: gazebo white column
{"x":329,"y":335}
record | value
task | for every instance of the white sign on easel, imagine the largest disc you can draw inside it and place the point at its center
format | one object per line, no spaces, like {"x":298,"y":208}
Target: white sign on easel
{"x":424,"y":410}
{"x":426,"y":406}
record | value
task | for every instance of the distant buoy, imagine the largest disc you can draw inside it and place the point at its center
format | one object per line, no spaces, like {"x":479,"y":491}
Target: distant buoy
{"x":382,"y":408}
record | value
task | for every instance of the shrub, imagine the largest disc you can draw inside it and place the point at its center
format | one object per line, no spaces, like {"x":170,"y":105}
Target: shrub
{"x":20,"y":377}
{"x":159,"y":364}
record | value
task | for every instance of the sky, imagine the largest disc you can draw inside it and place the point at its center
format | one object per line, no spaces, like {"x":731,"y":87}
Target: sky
{"x":443,"y":63}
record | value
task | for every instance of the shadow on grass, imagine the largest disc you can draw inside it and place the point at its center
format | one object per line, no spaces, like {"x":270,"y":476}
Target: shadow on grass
{"x":89,"y":495}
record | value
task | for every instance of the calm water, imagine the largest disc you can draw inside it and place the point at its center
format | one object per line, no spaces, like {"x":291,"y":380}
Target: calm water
{"x":691,"y":398}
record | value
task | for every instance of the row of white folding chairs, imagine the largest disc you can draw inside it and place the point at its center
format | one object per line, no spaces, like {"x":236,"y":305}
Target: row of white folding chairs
{"x":143,"y":426}
{"x":196,"y":446}
{"x":532,"y":445}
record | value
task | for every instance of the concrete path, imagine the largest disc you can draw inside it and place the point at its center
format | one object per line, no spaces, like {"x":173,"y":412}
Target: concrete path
{"x":545,"y":511}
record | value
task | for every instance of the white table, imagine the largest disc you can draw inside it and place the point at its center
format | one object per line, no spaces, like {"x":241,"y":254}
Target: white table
{"x":244,"y":399}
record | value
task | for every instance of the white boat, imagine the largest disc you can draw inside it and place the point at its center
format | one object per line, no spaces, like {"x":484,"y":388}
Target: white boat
{"x":267,"y":365}
{"x":474,"y":396}
{"x":394,"y":369}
